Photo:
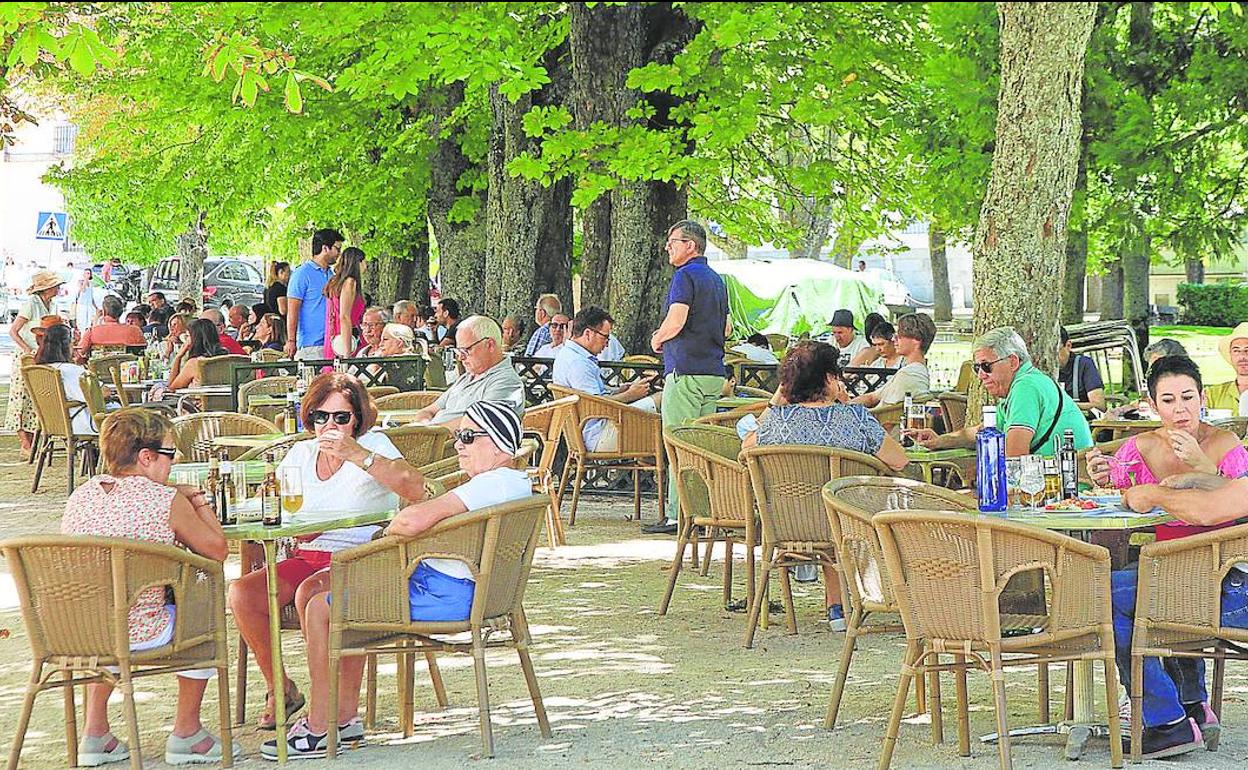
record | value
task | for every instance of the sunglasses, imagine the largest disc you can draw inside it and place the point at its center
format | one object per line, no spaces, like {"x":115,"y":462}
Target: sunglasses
{"x":163,"y":450}
{"x":986,"y":366}
{"x":342,"y":418}
{"x":554,"y":325}
{"x":466,"y":436}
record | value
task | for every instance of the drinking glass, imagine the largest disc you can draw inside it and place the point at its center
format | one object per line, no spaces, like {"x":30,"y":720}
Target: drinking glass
{"x":1013,"y":470}
{"x":291,"y":482}
{"x":1031,"y":477}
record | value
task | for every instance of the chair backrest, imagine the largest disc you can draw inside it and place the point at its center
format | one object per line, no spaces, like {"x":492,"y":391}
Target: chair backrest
{"x":47,"y":391}
{"x":421,"y":444}
{"x":76,"y":591}
{"x":640,"y":432}
{"x":966,"y":375}
{"x":268,"y":355}
{"x":889,"y":415}
{"x":953,"y":407}
{"x":94,"y":392}
{"x":1236,"y":425}
{"x":710,"y":481}
{"x":278,"y":447}
{"x":788,"y":482}
{"x":544,"y":420}
{"x":107,"y":369}
{"x":435,"y":372}
{"x":1180,"y":586}
{"x":273,"y":385}
{"x":193,"y":433}
{"x":747,"y":391}
{"x":730,"y":418}
{"x":412,"y":399}
{"x":948,"y":571}
{"x":218,"y":370}
{"x":852,"y":503}
{"x":381,"y":391}
{"x":778,"y":343}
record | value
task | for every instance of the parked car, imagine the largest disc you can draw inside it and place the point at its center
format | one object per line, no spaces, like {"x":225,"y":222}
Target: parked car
{"x":227,"y":281}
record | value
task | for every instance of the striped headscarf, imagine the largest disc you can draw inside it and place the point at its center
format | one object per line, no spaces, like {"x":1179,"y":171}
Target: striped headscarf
{"x":499,"y":420}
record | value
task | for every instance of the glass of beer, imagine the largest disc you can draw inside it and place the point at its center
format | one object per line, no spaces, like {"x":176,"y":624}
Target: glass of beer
{"x":291,"y":482}
{"x":917,"y":418}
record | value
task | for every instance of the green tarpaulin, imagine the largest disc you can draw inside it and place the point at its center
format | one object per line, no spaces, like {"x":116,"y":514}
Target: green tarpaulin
{"x":793,"y":296}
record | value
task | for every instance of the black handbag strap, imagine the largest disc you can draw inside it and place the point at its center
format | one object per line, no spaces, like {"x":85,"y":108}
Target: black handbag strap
{"x":1057,"y":412}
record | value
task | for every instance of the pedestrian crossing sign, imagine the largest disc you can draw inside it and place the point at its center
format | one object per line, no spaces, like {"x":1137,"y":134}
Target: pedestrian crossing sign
{"x":50,"y":226}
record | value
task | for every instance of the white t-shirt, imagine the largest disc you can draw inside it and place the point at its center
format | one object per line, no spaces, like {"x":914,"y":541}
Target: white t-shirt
{"x":854,"y":347}
{"x":71,"y":378}
{"x":501,"y":485}
{"x":910,"y":379}
{"x":547,"y":351}
{"x":350,"y":490}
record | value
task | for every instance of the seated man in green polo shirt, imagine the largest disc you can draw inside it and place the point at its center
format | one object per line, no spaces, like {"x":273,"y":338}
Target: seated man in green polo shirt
{"x":1031,"y":409}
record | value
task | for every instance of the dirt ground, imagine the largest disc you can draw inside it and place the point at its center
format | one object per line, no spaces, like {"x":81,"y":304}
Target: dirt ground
{"x":623,"y":686}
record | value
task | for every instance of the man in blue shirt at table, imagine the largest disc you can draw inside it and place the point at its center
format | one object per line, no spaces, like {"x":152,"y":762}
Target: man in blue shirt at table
{"x":305,"y":297}
{"x":576,"y":367}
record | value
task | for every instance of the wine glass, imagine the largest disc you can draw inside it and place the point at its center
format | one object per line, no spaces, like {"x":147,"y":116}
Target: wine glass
{"x":1031,"y":477}
{"x":291,"y":482}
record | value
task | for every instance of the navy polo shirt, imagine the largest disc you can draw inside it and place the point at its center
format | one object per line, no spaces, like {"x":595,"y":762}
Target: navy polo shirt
{"x":699,"y":348}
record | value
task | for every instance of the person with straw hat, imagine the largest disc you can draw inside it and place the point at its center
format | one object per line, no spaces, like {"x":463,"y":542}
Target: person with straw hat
{"x":1234,"y":350}
{"x":20,"y":416}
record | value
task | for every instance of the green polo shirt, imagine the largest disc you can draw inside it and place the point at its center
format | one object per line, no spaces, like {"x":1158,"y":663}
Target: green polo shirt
{"x":1032,"y":401}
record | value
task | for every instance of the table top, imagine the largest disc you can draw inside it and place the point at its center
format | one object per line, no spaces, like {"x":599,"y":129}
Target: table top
{"x":1126,"y":424}
{"x":205,"y":390}
{"x":301,"y":523}
{"x":921,"y":455}
{"x":263,"y":400}
{"x":246,"y":442}
{"x":1111,"y":517}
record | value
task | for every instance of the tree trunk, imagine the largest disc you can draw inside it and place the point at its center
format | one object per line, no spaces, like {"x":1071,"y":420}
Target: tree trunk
{"x":732,"y":246}
{"x":640,"y":275}
{"x":460,"y":235}
{"x":405,"y":276}
{"x":1111,"y":292}
{"x":605,"y":42}
{"x":1077,"y":243}
{"x":553,"y":262}
{"x":1194,"y":269}
{"x":1020,"y":241}
{"x":1135,"y":299}
{"x":942,"y":298}
{"x":192,"y":248}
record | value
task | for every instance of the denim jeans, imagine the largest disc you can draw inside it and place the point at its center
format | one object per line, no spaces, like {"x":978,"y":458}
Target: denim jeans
{"x":1180,"y":680}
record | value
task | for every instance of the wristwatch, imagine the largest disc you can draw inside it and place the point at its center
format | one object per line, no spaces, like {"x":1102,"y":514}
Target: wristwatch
{"x":369,"y":460}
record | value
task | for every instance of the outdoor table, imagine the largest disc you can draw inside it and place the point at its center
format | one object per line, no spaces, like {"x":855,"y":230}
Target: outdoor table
{"x":1123,"y":428}
{"x":960,"y":461}
{"x":205,"y":390}
{"x":293,"y":525}
{"x":1090,"y":526}
{"x":246,"y":442}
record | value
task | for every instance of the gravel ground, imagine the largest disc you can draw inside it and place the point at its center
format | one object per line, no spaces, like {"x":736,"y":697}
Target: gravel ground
{"x":623,"y":686}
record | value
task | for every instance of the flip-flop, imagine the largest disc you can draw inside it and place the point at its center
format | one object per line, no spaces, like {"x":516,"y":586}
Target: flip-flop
{"x":293,"y":704}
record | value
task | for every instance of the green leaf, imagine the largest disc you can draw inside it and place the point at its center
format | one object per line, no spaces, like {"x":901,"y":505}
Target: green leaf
{"x":294,"y":97}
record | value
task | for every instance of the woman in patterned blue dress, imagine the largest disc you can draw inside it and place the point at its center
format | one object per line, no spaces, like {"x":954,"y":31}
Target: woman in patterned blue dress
{"x":808,"y":409}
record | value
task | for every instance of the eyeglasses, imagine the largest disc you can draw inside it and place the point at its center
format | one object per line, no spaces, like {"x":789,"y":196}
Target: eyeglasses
{"x":341,"y":418}
{"x":670,"y":241}
{"x":372,"y":323}
{"x":163,"y":450}
{"x":466,"y":436}
{"x":986,"y":366}
{"x":595,"y":331}
{"x":463,"y":352}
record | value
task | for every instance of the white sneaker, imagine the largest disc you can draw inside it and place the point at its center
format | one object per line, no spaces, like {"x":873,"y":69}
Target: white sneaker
{"x":91,"y":752}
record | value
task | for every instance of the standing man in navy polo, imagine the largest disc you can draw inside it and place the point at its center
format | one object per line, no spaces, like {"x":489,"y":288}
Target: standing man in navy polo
{"x":305,"y":297}
{"x":691,"y":339}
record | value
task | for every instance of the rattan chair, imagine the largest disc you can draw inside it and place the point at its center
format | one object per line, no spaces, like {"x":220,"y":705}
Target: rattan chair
{"x":412,"y":399}
{"x":966,"y":376}
{"x":193,"y":433}
{"x":108,"y":369}
{"x":219,"y":370}
{"x":273,"y":386}
{"x":851,"y":504}
{"x":422,"y":444}
{"x":953,"y":407}
{"x":53,"y":409}
{"x":544,"y":423}
{"x":787,"y":482}
{"x":371,"y":609}
{"x":778,"y":343}
{"x":76,"y":594}
{"x":381,"y":391}
{"x":745,"y":391}
{"x":268,"y":356}
{"x":948,"y":571}
{"x":640,"y":446}
{"x":731,"y":417}
{"x":715,"y":495}
{"x":1236,"y":425}
{"x":889,"y":415}
{"x":1178,"y":610}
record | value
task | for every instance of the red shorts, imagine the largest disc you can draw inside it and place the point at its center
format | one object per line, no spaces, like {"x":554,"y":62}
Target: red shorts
{"x":302,"y":565}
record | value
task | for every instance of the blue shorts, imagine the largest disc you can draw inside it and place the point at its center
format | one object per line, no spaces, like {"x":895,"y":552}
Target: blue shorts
{"x":438,"y":597}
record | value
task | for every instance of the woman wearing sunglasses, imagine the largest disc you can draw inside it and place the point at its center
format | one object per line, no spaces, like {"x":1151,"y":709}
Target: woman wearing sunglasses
{"x":1031,"y":408}
{"x":440,"y":589}
{"x":136,"y":502}
{"x":347,"y":467}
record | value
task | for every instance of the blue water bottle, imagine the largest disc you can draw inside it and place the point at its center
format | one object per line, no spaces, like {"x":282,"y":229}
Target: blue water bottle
{"x":990,"y":465}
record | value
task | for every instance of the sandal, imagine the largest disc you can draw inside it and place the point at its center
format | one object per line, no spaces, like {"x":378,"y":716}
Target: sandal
{"x":294,"y":702}
{"x":93,"y":751}
{"x":181,"y":751}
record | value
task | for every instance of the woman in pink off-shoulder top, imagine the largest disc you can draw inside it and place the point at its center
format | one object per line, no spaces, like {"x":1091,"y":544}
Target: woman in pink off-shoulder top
{"x":1181,"y":445}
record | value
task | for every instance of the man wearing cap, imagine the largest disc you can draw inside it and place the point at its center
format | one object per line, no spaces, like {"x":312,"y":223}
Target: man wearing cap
{"x":110,"y":330}
{"x":440,"y":590}
{"x":1234,"y":350}
{"x":20,"y":416}
{"x":848,"y":340}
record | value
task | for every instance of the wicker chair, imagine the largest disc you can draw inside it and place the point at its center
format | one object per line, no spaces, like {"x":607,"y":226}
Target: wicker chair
{"x":745,"y":391}
{"x":422,"y":444}
{"x":966,"y":375}
{"x":953,"y":407}
{"x":779,"y":343}
{"x":640,"y":447}
{"x":273,"y":386}
{"x":219,"y":370}
{"x":715,"y":494}
{"x":1236,"y":425}
{"x":193,"y":433}
{"x":851,"y":504}
{"x":948,"y":571}
{"x":75,"y":595}
{"x":268,"y":356}
{"x":544,"y":422}
{"x":1178,"y":610}
{"x":53,"y":408}
{"x":108,"y":370}
{"x":497,"y":544}
{"x":412,"y":399}
{"x":889,"y":415}
{"x":787,"y":482}
{"x":381,"y":391}
{"x":729,"y":418}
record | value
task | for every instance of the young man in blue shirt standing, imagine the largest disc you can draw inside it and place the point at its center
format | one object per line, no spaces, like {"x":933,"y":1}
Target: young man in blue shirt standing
{"x":691,"y":339}
{"x":305,"y":297}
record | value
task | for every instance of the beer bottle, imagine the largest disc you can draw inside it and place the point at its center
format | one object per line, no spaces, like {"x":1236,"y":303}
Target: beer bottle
{"x":1069,"y":466}
{"x":212,"y":486}
{"x":226,"y":512}
{"x":270,"y":494}
{"x":907,"y":406}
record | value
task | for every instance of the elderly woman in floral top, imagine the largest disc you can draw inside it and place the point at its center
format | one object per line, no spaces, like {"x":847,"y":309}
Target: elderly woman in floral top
{"x":807,"y":410}
{"x":136,"y":502}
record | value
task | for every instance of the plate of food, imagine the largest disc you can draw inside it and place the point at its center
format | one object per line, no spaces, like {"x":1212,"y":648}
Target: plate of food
{"x":1102,"y":495}
{"x":1073,"y":505}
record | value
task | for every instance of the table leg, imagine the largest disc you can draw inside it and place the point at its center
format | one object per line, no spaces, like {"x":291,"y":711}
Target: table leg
{"x":275,"y":635}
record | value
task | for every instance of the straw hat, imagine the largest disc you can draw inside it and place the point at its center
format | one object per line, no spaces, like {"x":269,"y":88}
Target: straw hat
{"x":47,"y":322}
{"x":44,"y":280}
{"x":1224,"y":345}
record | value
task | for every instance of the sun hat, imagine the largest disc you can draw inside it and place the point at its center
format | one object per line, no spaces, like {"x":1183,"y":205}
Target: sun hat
{"x":844,"y":318}
{"x":1224,"y":345}
{"x":43,"y":280}
{"x":499,"y":420}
